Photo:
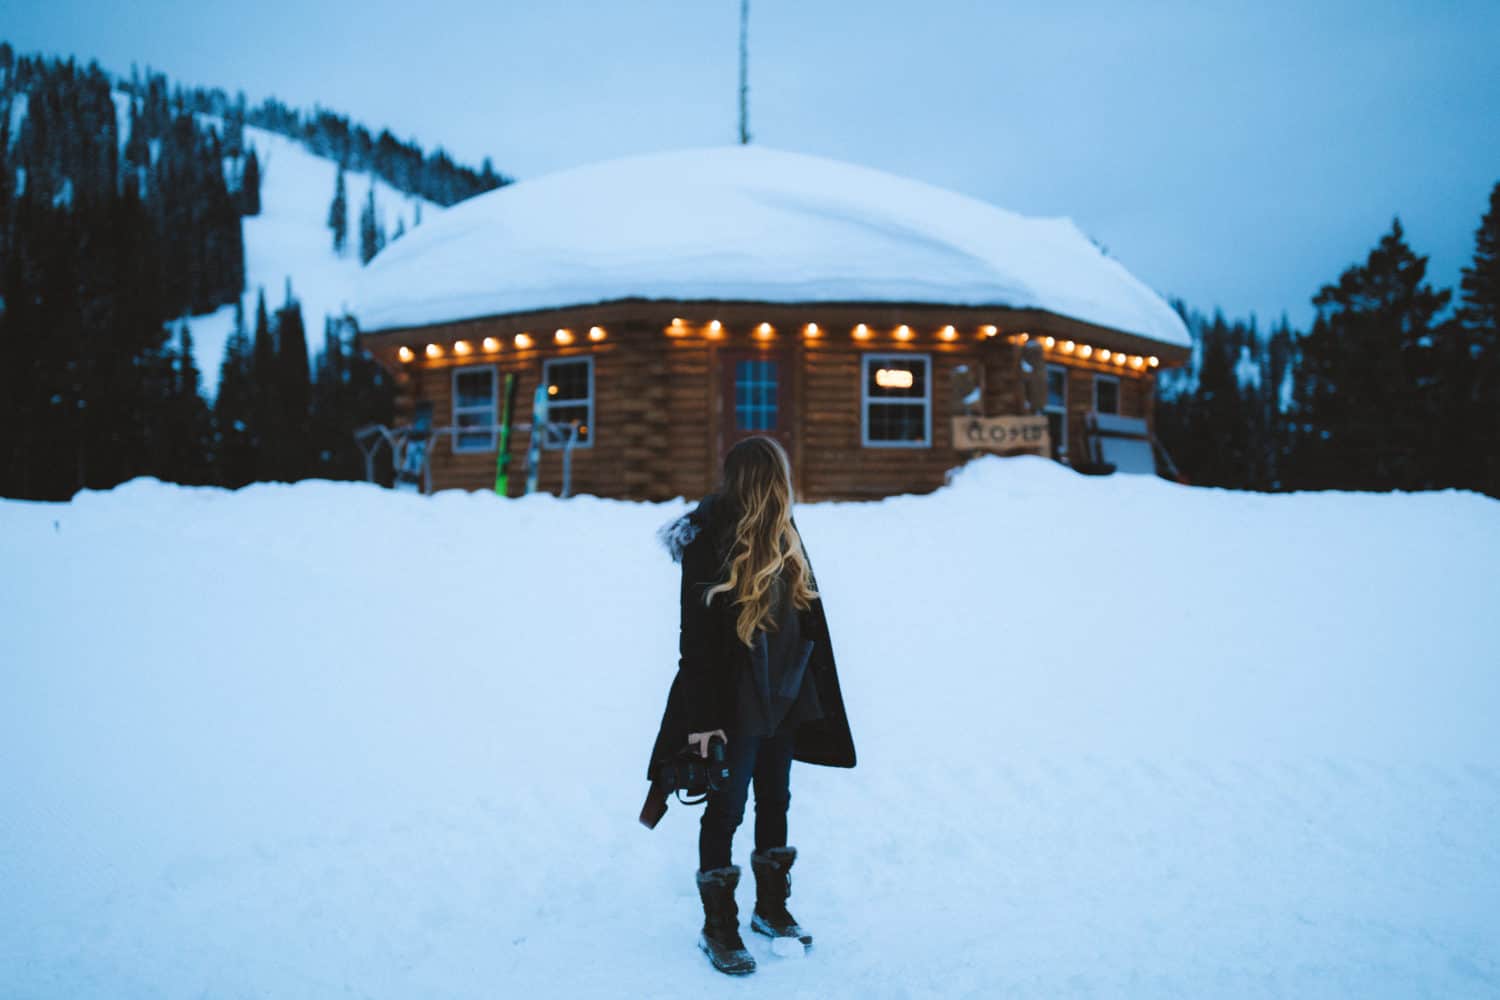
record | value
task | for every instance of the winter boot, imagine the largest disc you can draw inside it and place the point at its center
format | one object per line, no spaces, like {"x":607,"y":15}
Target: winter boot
{"x":720,"y":939}
{"x":773,"y":884}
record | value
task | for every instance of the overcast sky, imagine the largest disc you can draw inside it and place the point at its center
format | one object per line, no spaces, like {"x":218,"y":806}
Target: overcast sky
{"x":1235,"y":154}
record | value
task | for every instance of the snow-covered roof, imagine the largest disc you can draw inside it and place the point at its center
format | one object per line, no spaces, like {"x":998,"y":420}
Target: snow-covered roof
{"x":745,"y":223}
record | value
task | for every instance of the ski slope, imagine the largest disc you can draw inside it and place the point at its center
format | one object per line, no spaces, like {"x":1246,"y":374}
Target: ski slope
{"x":290,"y":241}
{"x":1116,"y":737}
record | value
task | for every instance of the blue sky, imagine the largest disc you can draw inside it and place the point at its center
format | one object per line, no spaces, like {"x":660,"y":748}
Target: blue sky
{"x":1235,"y":154}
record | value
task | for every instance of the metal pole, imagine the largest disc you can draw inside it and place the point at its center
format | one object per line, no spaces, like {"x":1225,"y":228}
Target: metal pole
{"x":744,"y":72}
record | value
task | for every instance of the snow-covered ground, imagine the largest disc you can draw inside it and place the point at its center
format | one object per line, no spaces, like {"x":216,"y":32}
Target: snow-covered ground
{"x":290,"y":240}
{"x":1116,"y":738}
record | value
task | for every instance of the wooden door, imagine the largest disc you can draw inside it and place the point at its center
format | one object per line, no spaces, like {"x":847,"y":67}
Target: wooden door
{"x":755,"y":397}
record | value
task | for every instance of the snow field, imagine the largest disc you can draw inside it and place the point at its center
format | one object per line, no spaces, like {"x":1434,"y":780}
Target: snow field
{"x":1116,"y":737}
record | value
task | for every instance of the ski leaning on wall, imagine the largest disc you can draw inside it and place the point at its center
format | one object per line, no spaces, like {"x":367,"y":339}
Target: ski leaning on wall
{"x":538,"y":428}
{"x":502,"y":460}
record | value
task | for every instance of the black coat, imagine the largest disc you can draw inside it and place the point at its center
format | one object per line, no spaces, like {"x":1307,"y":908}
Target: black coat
{"x":702,"y":695}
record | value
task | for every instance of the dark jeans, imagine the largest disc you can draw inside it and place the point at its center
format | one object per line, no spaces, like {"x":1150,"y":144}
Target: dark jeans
{"x":768,"y":762}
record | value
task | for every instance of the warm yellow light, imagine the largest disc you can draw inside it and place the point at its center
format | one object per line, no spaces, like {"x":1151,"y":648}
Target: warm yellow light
{"x":1085,"y":351}
{"x":677,"y":329}
{"x":812,"y":330}
{"x":1067,"y":347}
{"x":434,"y":351}
{"x":552,"y":390}
{"x":596,"y":333}
{"x":893,"y":378}
{"x":523,"y":340}
{"x":948,"y":333}
{"x":861,"y":332}
{"x":676,"y":320}
{"x":903,"y":332}
{"x":1153,"y":362}
{"x":715,"y":326}
{"x":563,"y":336}
{"x":989,"y":329}
{"x":1049,"y":342}
{"x":1023,"y":337}
{"x":764,"y":330}
{"x":491,"y":345}
{"x":1137,"y":362}
{"x":1104,"y":355}
{"x":405,"y":354}
{"x":462,"y":347}
{"x":1120,"y":359}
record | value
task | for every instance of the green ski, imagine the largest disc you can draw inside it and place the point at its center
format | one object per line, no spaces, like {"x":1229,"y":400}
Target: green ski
{"x":502,"y":462}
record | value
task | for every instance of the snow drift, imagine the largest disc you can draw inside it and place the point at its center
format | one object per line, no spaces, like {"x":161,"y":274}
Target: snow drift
{"x":1116,"y":737}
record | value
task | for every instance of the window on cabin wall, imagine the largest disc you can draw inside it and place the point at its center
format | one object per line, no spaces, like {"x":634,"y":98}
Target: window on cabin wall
{"x":1057,"y":409}
{"x":897,"y":401}
{"x":755,"y":389}
{"x":475,"y":401}
{"x":1106,"y":394}
{"x":570,"y":396}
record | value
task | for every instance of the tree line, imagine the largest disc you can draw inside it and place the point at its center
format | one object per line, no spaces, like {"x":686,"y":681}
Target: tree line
{"x":1388,"y":389}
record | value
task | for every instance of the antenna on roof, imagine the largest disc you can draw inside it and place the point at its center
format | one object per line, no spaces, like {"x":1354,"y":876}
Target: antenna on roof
{"x":744,"y":72}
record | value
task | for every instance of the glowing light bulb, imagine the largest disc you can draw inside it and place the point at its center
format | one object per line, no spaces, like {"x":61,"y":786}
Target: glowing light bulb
{"x":552,"y":390}
{"x":1104,"y":355}
{"x":764,"y":330}
{"x":903,"y":332}
{"x":861,"y":332}
{"x":893,"y":378}
{"x":989,"y":329}
{"x":462,"y":347}
{"x":715,"y":327}
{"x":563,"y":336}
{"x":812,"y":330}
{"x":491,"y":345}
{"x":1153,"y":361}
{"x":523,"y":340}
{"x":948,"y":333}
{"x":1049,"y":342}
{"x":1120,"y":360}
{"x":1068,"y":346}
{"x":434,"y":351}
{"x":596,"y":333}
{"x":405,"y":354}
{"x":1085,"y":351}
{"x":1137,"y":362}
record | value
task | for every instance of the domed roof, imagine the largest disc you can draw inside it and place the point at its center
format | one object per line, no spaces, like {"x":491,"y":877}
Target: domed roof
{"x":745,"y":223}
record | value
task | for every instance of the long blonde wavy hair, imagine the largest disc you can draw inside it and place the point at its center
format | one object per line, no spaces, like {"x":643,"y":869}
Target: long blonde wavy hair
{"x":757,"y":485}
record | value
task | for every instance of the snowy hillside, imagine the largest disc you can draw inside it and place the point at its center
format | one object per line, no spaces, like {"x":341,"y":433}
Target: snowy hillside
{"x":290,"y":240}
{"x":1116,"y":738}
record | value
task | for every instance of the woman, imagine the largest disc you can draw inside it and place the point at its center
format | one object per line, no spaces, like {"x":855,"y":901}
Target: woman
{"x":757,"y":670}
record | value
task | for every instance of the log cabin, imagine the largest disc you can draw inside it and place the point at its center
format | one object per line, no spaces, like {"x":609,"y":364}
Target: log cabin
{"x":669,"y":305}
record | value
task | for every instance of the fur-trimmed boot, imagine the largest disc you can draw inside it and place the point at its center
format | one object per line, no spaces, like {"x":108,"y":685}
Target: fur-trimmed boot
{"x":773,"y":884}
{"x":720,"y":939}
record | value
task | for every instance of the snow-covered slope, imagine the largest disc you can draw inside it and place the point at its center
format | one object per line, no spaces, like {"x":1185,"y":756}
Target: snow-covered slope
{"x":747,"y":223}
{"x":1116,"y":738}
{"x":290,"y":240}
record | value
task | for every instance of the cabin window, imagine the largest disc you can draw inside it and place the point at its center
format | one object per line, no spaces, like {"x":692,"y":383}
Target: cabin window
{"x":897,"y":401}
{"x":475,"y":400}
{"x":1106,"y":394}
{"x":755,"y":387}
{"x":570,"y":396}
{"x":1057,"y":408}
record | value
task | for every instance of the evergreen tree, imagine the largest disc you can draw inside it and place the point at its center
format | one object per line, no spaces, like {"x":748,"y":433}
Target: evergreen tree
{"x":338,"y":215}
{"x":269,"y":423}
{"x":369,"y":229}
{"x":250,"y":184}
{"x":234,"y":407}
{"x":1478,"y":394}
{"x":294,"y":389}
{"x":1368,"y":385}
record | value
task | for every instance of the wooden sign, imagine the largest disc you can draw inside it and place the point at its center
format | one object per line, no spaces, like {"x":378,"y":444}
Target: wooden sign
{"x":1028,"y":433}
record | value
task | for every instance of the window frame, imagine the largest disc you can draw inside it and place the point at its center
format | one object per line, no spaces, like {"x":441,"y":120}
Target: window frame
{"x":1100,"y":377}
{"x":1060,"y":447}
{"x":494,"y":408}
{"x":572,"y":359}
{"x":867,"y":358}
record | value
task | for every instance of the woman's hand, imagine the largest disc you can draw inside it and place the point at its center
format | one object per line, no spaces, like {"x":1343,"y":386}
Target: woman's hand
{"x":702,"y":740}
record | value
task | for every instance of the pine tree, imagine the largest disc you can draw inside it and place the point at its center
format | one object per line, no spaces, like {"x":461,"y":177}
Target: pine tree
{"x":338,"y":215}
{"x":1368,"y":385}
{"x":1478,"y":401}
{"x":294,"y":389}
{"x":234,"y":407}
{"x":269,"y":423}
{"x":369,"y":230}
{"x":250,"y":184}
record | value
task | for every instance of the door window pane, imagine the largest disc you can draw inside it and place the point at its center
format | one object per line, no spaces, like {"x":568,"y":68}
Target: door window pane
{"x":755,"y":395}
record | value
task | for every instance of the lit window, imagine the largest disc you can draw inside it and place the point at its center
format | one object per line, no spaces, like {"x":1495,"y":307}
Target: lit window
{"x":755,"y":388}
{"x":1106,"y":394}
{"x":897,"y":401}
{"x":570,"y":396}
{"x":475,"y":401}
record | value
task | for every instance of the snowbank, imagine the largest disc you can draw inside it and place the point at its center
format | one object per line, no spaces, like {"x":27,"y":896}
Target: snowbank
{"x":746,"y":223}
{"x":1116,"y":737}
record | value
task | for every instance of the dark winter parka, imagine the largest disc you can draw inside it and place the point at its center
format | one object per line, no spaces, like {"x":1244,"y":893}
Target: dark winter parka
{"x":710,"y":652}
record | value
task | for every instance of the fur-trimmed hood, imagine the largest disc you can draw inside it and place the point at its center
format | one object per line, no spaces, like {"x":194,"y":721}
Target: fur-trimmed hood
{"x":678,"y":533}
